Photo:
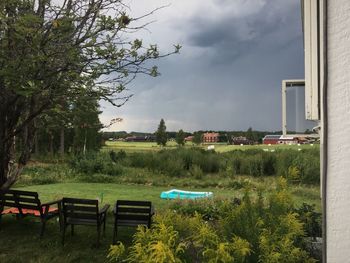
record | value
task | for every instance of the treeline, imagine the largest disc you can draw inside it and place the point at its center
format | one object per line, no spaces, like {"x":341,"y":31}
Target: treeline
{"x":70,"y":127}
{"x":224,"y":136}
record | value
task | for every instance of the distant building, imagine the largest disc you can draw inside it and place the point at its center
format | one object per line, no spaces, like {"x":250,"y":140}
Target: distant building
{"x":283,"y":139}
{"x":149,"y":138}
{"x":288,"y":139}
{"x":241,"y":140}
{"x":189,"y":139}
{"x":210,"y":137}
{"x":271,"y":139}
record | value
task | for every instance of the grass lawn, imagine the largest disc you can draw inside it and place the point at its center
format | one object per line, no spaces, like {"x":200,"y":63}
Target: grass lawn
{"x":20,"y":240}
{"x":219,"y":147}
{"x":112,"y":192}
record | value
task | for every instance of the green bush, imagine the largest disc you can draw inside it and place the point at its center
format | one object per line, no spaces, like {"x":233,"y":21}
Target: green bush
{"x":241,"y":230}
{"x":196,"y":172}
{"x":256,"y":162}
{"x":198,"y":163}
{"x":96,"y":164}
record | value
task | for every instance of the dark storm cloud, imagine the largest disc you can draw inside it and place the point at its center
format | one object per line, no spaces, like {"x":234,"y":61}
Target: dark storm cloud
{"x":228,"y":75}
{"x":229,"y":37}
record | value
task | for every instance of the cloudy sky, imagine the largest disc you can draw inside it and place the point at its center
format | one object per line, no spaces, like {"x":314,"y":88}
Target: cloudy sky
{"x":228,"y":74}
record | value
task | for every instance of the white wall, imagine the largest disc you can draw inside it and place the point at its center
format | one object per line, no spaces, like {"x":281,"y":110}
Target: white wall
{"x":338,"y":186}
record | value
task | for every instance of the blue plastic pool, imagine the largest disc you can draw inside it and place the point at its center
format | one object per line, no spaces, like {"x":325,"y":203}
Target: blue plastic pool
{"x":180,"y":194}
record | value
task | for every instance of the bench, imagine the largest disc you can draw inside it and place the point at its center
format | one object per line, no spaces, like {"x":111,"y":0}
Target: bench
{"x":26,"y":203}
{"x":83,"y":212}
{"x":132,"y":213}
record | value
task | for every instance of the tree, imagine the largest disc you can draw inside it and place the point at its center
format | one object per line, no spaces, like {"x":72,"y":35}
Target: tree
{"x":180,"y":137}
{"x":197,"y":138}
{"x":53,"y":51}
{"x":161,"y":136}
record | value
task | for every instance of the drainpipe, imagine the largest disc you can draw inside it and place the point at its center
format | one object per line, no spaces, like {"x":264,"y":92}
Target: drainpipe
{"x":324,"y":135}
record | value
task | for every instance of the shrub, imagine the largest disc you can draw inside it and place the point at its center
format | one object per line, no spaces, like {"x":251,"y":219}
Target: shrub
{"x":256,"y":162}
{"x":293,"y":174}
{"x":196,"y":172}
{"x":183,"y":161}
{"x":96,"y":164}
{"x":236,"y":165}
{"x":311,"y":220}
{"x":115,"y":157}
{"x":246,"y":230}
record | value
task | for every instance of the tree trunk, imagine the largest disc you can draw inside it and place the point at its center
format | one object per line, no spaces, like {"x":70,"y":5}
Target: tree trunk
{"x":6,"y":145}
{"x":36,"y":143}
{"x":50,"y":143}
{"x":62,"y":142}
{"x":84,"y":147}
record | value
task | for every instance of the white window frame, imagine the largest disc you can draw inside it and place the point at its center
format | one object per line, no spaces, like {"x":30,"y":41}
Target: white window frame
{"x":312,"y":12}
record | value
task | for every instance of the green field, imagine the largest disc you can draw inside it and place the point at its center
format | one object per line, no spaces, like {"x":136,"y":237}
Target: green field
{"x":219,"y":147}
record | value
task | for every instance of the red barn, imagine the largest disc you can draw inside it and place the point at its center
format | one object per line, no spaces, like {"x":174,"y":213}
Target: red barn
{"x":271,"y":139}
{"x":211,"y":137}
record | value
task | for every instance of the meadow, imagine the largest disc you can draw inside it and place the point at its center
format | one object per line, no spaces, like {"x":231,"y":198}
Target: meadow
{"x":219,"y":147}
{"x":141,"y":171}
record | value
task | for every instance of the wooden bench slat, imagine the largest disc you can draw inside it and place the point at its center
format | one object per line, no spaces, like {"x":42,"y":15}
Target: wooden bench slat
{"x":132,"y":217}
{"x":133,"y":210}
{"x":70,"y":207}
{"x":5,"y":203}
{"x":80,"y":221}
{"x":21,"y":205}
{"x":23,"y":199}
{"x":79,"y":201}
{"x":81,"y":215}
{"x":133,"y":203}
{"x":27,"y":206}
{"x":19,"y":192}
{"x":132,"y":223}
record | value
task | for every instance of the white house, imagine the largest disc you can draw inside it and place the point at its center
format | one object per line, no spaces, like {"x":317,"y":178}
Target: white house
{"x":327,"y":86}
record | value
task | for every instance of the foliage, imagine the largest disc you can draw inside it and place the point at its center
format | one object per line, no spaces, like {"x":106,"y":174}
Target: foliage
{"x":53,"y":52}
{"x":178,"y":162}
{"x":199,"y":164}
{"x":296,"y":166}
{"x":117,"y":252}
{"x":115,"y":157}
{"x":180,"y":137}
{"x":311,"y":220}
{"x":197,"y":138}
{"x":242,"y":230}
{"x":161,"y":136}
{"x":92,"y":163}
{"x":158,"y":244}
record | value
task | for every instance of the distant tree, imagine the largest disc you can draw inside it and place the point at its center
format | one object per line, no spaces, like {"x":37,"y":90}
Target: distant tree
{"x":180,"y":137}
{"x":197,"y":138}
{"x":161,"y":136}
{"x":249,"y":134}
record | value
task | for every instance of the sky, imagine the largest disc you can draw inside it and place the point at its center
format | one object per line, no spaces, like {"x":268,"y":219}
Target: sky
{"x":234,"y":56}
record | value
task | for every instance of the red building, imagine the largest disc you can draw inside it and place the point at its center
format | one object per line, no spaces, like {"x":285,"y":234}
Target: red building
{"x":210,"y":137}
{"x":271,"y":139}
{"x":280,"y":139}
{"x":189,"y":139}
